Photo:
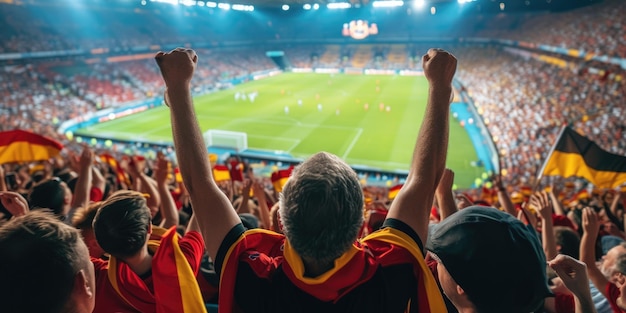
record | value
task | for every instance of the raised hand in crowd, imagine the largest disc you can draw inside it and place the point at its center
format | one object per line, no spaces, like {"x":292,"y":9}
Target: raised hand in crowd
{"x":542,"y":203}
{"x":573,"y":274}
{"x":168,"y":209}
{"x":14,"y":203}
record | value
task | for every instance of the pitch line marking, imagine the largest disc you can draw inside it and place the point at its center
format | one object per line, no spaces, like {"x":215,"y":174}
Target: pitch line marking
{"x":354,"y":140}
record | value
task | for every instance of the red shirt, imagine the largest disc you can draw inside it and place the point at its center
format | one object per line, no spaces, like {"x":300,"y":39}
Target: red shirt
{"x":107,"y":298}
{"x":612,"y":294}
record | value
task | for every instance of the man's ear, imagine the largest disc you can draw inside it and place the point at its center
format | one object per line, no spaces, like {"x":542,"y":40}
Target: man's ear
{"x":81,"y":284}
{"x":460,"y":290}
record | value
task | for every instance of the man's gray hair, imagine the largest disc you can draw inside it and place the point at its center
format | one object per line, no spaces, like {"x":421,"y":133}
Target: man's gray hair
{"x":321,"y":208}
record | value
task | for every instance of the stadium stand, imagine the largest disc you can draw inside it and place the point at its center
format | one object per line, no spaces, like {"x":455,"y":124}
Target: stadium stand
{"x":523,"y":94}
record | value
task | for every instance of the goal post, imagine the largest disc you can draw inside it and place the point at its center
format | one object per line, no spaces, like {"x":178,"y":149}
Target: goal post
{"x":226,"y":139}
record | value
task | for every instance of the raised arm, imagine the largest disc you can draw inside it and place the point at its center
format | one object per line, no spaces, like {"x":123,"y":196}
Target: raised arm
{"x":573,"y":274}
{"x":445,"y":195}
{"x":214,"y":213}
{"x":413,"y":202}
{"x":541,"y":201}
{"x":591,"y":226}
{"x":168,"y":206}
{"x":503,"y":196}
{"x":83,"y":183}
{"x":3,"y":182}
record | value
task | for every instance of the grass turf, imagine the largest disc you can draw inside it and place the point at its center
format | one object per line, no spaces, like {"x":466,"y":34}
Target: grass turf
{"x":366,"y":120}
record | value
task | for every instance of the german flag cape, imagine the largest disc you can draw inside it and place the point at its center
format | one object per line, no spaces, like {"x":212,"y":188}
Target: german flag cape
{"x":280,"y":178}
{"x":174,"y":281}
{"x":352,"y":269}
{"x":576,"y":155}
{"x":22,"y":146}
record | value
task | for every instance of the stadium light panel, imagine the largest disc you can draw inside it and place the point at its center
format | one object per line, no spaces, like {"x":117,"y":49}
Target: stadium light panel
{"x":285,"y":7}
{"x":316,"y":6}
{"x":166,"y":1}
{"x":242,"y":7}
{"x":223,"y":6}
{"x":387,"y":4}
{"x":306,"y":6}
{"x":211,"y":4}
{"x":143,"y":2}
{"x":418,"y":4}
{"x":339,"y":5}
{"x":200,"y":3}
{"x":187,"y":2}
{"x":433,"y":10}
{"x":502,"y":6}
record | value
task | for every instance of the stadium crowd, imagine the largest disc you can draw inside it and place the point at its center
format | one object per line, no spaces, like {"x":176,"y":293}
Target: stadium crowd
{"x":172,"y":236}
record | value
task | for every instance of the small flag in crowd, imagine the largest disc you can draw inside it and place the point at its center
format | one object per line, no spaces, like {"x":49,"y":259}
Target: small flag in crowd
{"x":22,"y":146}
{"x":393,"y":191}
{"x":221,"y":173}
{"x":120,"y":175}
{"x":576,"y":155}
{"x":280,"y":177}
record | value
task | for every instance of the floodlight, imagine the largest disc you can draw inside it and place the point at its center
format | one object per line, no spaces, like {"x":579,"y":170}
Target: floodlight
{"x":223,"y":6}
{"x":306,"y":6}
{"x":502,"y":6}
{"x":316,"y":6}
{"x":211,"y":4}
{"x":285,"y":7}
{"x":433,"y":10}
{"x":387,"y":4}
{"x":418,"y":4}
{"x":339,"y":5}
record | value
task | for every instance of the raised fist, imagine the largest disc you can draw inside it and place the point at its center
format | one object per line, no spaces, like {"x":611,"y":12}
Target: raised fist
{"x":177,"y":67}
{"x":439,"y":67}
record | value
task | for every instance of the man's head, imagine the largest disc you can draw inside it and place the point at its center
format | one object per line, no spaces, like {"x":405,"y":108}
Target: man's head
{"x":321,"y":208}
{"x":51,"y":194}
{"x":567,"y":241}
{"x":609,"y":261}
{"x":44,"y":266}
{"x":490,"y":261}
{"x":122,"y":224}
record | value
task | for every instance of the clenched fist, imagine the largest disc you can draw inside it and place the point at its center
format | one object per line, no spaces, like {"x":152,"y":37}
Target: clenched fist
{"x":177,"y":67}
{"x":439,"y":67}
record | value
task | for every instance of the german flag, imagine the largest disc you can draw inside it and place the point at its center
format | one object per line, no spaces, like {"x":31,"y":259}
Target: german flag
{"x":393,"y":191}
{"x":576,"y":155}
{"x":18,"y":146}
{"x":221,"y":173}
{"x":280,"y":178}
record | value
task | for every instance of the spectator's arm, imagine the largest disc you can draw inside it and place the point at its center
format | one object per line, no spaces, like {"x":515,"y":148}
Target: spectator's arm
{"x":168,"y":206}
{"x":214,"y":213}
{"x":97,"y":180}
{"x":146,"y":184}
{"x":574,"y":276}
{"x":245,"y":197}
{"x":413,"y":202}
{"x":591,"y":226}
{"x":558,"y":208}
{"x":83,"y":183}
{"x":264,"y":211}
{"x":503,"y":197}
{"x":445,"y":195}
{"x":615,"y":203}
{"x":541,"y":202}
{"x":3,"y":182}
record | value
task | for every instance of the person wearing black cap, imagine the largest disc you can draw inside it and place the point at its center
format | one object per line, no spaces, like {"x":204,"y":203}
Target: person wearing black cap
{"x":489,"y":262}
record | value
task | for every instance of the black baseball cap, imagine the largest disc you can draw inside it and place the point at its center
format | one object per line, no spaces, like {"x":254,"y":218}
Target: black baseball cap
{"x":495,"y":258}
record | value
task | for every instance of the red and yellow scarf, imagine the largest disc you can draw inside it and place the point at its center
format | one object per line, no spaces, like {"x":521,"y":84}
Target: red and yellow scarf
{"x":352,"y":269}
{"x":174,"y":281}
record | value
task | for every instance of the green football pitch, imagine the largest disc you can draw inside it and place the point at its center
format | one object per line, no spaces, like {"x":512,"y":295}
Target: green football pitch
{"x":365,"y":120}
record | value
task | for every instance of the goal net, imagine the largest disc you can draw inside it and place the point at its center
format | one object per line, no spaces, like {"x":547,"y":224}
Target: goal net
{"x":226,"y":139}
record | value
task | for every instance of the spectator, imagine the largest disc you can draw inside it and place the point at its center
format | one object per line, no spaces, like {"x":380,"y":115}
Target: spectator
{"x":322,"y":201}
{"x":138,"y":276}
{"x":61,"y":282}
{"x":479,"y":251}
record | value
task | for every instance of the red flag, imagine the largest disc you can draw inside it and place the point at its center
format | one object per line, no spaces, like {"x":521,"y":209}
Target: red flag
{"x":23,"y":146}
{"x":280,"y":178}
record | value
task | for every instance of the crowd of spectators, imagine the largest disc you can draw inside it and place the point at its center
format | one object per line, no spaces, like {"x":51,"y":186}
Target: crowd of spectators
{"x":524,"y":103}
